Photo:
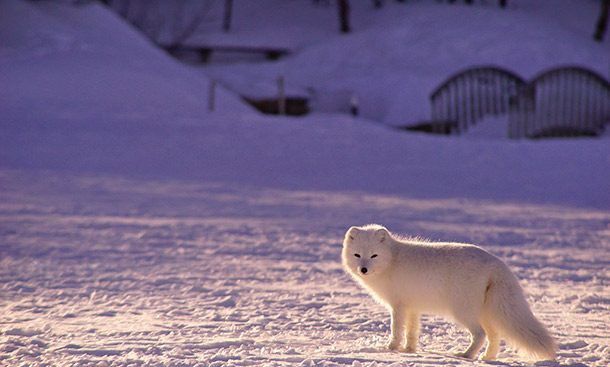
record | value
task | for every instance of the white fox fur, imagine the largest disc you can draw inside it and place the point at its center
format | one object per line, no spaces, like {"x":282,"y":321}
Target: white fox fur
{"x":461,"y":281}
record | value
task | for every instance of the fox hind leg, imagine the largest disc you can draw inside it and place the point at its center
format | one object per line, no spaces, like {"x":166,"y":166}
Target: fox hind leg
{"x":477,"y":338}
{"x":493,"y":342}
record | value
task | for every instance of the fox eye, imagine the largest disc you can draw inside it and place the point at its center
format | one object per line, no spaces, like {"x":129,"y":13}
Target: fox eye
{"x":374,"y":256}
{"x":357,"y":255}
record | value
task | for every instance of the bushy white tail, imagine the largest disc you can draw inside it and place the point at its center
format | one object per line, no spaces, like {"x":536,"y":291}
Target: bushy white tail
{"x":510,"y":314}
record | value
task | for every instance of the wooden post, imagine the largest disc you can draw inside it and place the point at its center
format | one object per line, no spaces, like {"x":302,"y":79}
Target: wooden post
{"x":343,"y":16}
{"x":281,"y":96}
{"x":228,"y":14}
{"x":212,"y":96}
{"x":354,"y":105}
{"x":204,"y":54}
{"x":602,"y":21}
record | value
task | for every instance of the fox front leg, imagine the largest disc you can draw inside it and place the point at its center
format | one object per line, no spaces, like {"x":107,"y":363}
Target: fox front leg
{"x":397,"y":328}
{"x":412,"y":332}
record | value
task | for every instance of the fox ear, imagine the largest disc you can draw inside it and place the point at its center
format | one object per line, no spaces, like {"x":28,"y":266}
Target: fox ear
{"x":382,"y":234}
{"x":351,"y":233}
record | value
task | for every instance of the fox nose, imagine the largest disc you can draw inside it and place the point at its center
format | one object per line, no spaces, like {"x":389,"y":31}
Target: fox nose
{"x":364,"y":270}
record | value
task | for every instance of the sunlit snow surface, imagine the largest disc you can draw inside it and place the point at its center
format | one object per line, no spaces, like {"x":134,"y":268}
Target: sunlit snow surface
{"x":139,"y":229}
{"x":101,"y":269}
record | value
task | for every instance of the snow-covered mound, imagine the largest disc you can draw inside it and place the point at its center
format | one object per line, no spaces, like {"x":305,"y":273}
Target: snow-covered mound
{"x":394,"y":63}
{"x":85,"y":64}
{"x":60,"y":74}
{"x":325,"y":152}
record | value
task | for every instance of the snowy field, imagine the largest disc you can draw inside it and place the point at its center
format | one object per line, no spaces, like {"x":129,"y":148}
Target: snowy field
{"x":137,"y":228}
{"x":102,"y":270}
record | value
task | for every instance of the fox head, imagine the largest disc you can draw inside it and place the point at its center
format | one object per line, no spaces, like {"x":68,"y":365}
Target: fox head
{"x":366,"y":251}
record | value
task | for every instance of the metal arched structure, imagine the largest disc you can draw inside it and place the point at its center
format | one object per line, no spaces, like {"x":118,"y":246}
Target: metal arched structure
{"x":468,"y":95}
{"x":564,"y":101}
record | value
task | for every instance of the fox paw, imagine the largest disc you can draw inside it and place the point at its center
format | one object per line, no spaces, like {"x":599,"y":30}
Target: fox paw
{"x":488,"y":357}
{"x":394,"y":346}
{"x":410,"y":349}
{"x":464,"y":355}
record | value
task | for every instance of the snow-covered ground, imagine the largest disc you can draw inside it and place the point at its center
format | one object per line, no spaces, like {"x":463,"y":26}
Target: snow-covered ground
{"x":137,"y":228}
{"x":103,"y":270}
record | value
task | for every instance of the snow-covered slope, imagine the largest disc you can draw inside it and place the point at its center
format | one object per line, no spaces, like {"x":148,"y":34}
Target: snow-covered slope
{"x":59,"y":62}
{"x":306,"y":23}
{"x":402,"y":52}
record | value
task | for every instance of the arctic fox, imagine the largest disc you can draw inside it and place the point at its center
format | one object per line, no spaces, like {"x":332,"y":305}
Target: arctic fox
{"x":462,"y":281}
